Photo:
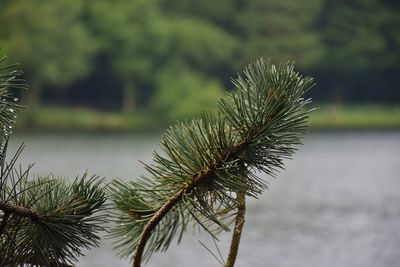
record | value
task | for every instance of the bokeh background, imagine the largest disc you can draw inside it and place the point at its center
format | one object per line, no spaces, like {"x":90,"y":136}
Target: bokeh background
{"x":106,"y":77}
{"x":143,"y":64}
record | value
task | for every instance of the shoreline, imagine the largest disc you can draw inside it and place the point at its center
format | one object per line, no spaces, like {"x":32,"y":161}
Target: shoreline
{"x":72,"y":119}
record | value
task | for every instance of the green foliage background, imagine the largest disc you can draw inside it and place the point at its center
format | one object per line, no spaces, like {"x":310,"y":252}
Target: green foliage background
{"x":145,"y":56}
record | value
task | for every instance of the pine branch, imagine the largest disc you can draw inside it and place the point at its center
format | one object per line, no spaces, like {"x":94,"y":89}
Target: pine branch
{"x":147,"y":230}
{"x":198,"y":172}
{"x":22,"y":211}
{"x":44,"y":221}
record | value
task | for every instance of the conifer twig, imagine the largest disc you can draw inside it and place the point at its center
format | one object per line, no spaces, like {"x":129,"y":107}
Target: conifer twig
{"x":163,"y":210}
{"x":157,"y":217}
{"x":9,"y":208}
{"x":208,"y":161}
{"x":45,"y":221}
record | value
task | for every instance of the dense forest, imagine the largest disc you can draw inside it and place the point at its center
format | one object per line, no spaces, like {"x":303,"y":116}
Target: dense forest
{"x":148,"y":55}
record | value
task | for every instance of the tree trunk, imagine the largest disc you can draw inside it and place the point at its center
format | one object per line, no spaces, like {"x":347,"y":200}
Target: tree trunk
{"x":32,"y":97}
{"x":128,"y":97}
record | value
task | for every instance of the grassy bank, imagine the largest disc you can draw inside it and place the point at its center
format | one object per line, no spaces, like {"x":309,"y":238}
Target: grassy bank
{"x":356,"y":116}
{"x":82,"y":119}
{"x":69,"y":118}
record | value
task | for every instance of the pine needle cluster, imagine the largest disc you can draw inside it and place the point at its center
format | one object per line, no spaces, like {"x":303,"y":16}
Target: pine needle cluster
{"x":44,"y":221}
{"x":206,"y":164}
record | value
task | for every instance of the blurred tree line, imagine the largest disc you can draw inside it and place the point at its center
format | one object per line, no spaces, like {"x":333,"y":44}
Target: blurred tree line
{"x":154,"y":54}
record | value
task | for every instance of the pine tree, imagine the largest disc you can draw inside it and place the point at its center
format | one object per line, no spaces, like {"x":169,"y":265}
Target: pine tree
{"x":208,"y":166}
{"x":44,"y":221}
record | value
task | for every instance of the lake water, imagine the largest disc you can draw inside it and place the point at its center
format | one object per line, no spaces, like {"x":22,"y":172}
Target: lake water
{"x":336,"y":204}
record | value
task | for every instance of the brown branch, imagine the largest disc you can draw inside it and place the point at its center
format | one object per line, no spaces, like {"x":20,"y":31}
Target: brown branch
{"x":237,"y":232}
{"x":199,"y":177}
{"x":9,"y":208}
{"x":157,"y":217}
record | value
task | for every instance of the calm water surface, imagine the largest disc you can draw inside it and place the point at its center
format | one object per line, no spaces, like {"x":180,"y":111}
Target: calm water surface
{"x":336,"y":204}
